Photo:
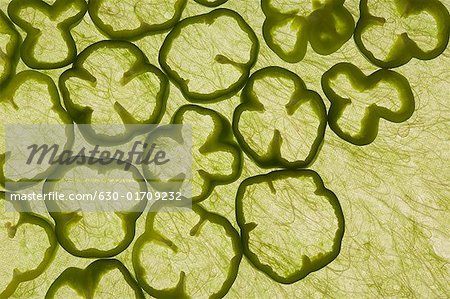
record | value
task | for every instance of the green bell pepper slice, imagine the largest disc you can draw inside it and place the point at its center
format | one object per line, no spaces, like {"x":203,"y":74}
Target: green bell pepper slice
{"x":219,"y":139}
{"x":27,"y":218}
{"x":302,"y":112}
{"x":405,"y":48}
{"x":65,"y":220}
{"x":326,"y":27}
{"x":63,"y":14}
{"x":9,"y":53}
{"x":209,"y":3}
{"x":304,"y":242}
{"x":146,"y":20}
{"x":182,"y":231}
{"x":39,"y":89}
{"x":227,"y":76}
{"x":110,"y":86}
{"x":368,"y":128}
{"x":85,"y":282}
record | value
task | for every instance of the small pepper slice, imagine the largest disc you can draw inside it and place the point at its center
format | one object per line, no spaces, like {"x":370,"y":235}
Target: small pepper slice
{"x":326,"y":26}
{"x":295,"y":119}
{"x":9,"y":53}
{"x":368,"y":128}
{"x":167,"y":244}
{"x":404,"y":48}
{"x":85,"y":282}
{"x":67,"y":218}
{"x":291,"y":225}
{"x":127,"y":89}
{"x":215,"y":37}
{"x":205,"y":142}
{"x":132,"y":19}
{"x":61,"y":17}
{"x":25,"y":219}
{"x":30,"y":97}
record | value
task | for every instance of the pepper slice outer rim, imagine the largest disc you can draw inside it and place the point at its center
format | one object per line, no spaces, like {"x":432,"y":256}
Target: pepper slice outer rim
{"x":133,"y":34}
{"x":208,"y":18}
{"x":311,"y":266}
{"x":409,"y":49}
{"x":179,"y":290}
{"x":33,"y":33}
{"x":370,"y":122}
{"x":249,"y":102}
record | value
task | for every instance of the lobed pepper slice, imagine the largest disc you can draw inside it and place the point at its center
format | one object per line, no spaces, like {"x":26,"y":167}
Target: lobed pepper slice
{"x":215,"y":37}
{"x":127,"y":90}
{"x":218,"y":143}
{"x":27,"y":219}
{"x":38,"y":89}
{"x":184,"y":271}
{"x":85,"y":282}
{"x":38,"y":48}
{"x":69,"y":217}
{"x":369,"y":122}
{"x":298,"y":203}
{"x":326,"y":26}
{"x":292,"y":115}
{"x":9,"y":52}
{"x":404,"y":48}
{"x":132,"y":19}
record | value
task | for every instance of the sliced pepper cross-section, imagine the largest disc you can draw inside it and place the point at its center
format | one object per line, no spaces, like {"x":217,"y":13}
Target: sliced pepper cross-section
{"x":391,"y":33}
{"x":112,"y":82}
{"x":209,"y":56}
{"x":29,"y":98}
{"x":187,"y":254}
{"x":216,"y":157}
{"x":99,"y":225}
{"x":101,"y":279}
{"x":27,"y":247}
{"x":291,"y":24}
{"x":9,"y":48}
{"x":279,"y":122}
{"x":359,"y":101}
{"x":49,"y":43}
{"x":291,"y":225}
{"x":132,"y":19}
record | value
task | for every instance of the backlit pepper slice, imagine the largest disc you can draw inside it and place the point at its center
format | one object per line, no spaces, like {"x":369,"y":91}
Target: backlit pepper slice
{"x":132,"y":19}
{"x":222,"y":49}
{"x":211,"y":3}
{"x":86,"y":282}
{"x":179,"y":250}
{"x":22,"y":234}
{"x":115,"y":226}
{"x":279,"y":123}
{"x":9,"y":52}
{"x":216,"y":157}
{"x":326,"y":26}
{"x":397,"y":105}
{"x":402,"y":45}
{"x":291,"y":225}
{"x":126,"y":90}
{"x":49,"y":43}
{"x":30,"y":97}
